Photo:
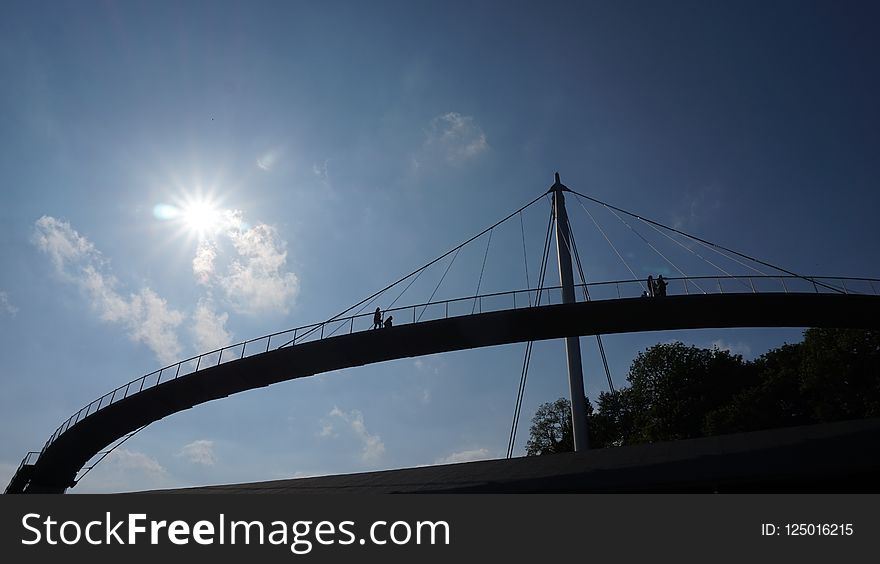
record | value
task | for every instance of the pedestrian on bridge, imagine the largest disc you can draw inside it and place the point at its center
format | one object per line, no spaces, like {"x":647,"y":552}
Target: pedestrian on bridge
{"x":661,"y":286}
{"x":388,"y":321}
{"x":651,"y":287}
{"x":377,"y":319}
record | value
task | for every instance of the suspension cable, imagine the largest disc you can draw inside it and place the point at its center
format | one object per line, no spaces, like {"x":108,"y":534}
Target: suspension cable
{"x":525,"y":257}
{"x":631,"y":228}
{"x":405,"y":289}
{"x":546,"y":257}
{"x":105,"y":453}
{"x":527,"y":357}
{"x":580,"y":268}
{"x":710,"y":244}
{"x":483,"y":268}
{"x":437,"y":287}
{"x":511,"y":441}
{"x":441,"y":257}
{"x":690,"y":250}
{"x":734,"y":259}
{"x":602,"y":231}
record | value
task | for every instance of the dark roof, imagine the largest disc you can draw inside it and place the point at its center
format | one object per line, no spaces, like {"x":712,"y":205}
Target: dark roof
{"x":824,"y":458}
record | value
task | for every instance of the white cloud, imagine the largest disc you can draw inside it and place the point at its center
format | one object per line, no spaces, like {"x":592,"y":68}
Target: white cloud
{"x":125,"y":470}
{"x":249,"y":271}
{"x":321,"y":170}
{"x":209,"y":328}
{"x":248,"y":265}
{"x":426,"y":367}
{"x":6,"y":306}
{"x":373,"y":447}
{"x":464,"y":456}
{"x":151,"y":322}
{"x":199,"y":452}
{"x":62,"y":243}
{"x":256,"y":281}
{"x":131,"y":460}
{"x":144,"y":314}
{"x":733,"y":348}
{"x":456,"y":137}
{"x":268,"y":160}
{"x":203,"y":262}
{"x":327,"y":431}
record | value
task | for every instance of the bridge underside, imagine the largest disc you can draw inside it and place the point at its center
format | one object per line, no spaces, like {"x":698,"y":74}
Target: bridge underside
{"x":56,"y":468}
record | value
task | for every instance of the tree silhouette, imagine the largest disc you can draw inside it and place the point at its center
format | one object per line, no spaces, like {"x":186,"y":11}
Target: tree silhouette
{"x":676,"y":391}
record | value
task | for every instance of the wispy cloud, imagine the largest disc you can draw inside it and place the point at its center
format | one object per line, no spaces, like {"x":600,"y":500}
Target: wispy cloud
{"x":465,"y":456}
{"x":248,"y":264}
{"x":456,"y":138}
{"x":132,"y":460}
{"x":697,"y":207}
{"x":199,"y":452}
{"x":203,"y":262}
{"x":146,"y":316}
{"x":209,"y":328}
{"x":7,"y":306}
{"x":256,"y":281}
{"x":426,"y":367}
{"x":125,"y":470}
{"x":373,"y":447}
{"x":321,"y":170}
{"x":267,"y":160}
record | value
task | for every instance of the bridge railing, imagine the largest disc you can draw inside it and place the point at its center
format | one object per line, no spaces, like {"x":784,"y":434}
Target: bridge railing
{"x":516,"y":299}
{"x":29,"y":459}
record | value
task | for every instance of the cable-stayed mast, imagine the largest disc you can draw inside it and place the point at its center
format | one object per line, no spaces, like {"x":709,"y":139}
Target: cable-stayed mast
{"x":572,"y":344}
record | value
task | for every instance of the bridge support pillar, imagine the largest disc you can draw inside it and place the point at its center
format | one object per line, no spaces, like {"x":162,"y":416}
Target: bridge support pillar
{"x":572,"y":344}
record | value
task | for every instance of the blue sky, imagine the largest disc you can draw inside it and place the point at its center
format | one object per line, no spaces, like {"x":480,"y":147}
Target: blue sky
{"x":337,"y":147}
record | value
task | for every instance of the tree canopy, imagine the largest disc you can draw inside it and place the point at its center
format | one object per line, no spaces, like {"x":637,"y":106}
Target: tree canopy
{"x":677,"y":391}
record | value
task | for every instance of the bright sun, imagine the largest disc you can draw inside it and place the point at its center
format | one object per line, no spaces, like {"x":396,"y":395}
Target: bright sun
{"x":201,"y":217}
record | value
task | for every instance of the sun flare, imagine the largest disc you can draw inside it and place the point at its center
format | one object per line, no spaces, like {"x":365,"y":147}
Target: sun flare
{"x":201,"y":217}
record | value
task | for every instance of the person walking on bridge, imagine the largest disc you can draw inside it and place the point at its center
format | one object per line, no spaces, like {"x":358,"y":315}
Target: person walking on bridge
{"x":377,"y":319}
{"x":661,"y":286}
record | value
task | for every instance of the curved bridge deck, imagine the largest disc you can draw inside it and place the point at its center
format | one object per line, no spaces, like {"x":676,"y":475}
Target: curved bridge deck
{"x":56,"y":467}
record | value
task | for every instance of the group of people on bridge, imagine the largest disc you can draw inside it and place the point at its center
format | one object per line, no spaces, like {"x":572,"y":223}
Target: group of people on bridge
{"x":656,"y":288}
{"x":377,"y":320}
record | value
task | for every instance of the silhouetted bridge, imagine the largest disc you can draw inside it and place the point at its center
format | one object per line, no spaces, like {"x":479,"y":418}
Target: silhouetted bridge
{"x":443,"y":326}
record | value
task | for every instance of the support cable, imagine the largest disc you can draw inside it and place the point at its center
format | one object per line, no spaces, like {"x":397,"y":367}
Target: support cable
{"x":580,"y":268}
{"x":525,"y":257}
{"x":441,"y":257}
{"x":437,"y":287}
{"x":411,"y":282}
{"x":511,"y":442}
{"x":631,"y":228}
{"x":482,"y":269}
{"x":690,"y":250}
{"x":734,"y":259}
{"x":710,"y":244}
{"x":105,"y":453}
{"x":602,"y":231}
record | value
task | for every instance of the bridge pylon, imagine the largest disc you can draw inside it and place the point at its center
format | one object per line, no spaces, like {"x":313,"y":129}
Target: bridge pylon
{"x":572,"y":344}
